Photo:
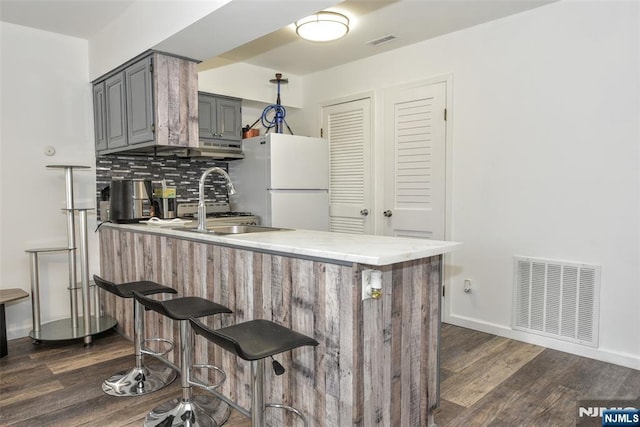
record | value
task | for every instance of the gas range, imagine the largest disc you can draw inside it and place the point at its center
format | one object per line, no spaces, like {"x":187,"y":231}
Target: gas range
{"x":218,"y":213}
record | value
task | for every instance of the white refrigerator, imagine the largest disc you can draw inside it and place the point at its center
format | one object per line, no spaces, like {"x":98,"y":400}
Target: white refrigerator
{"x":284,"y":179}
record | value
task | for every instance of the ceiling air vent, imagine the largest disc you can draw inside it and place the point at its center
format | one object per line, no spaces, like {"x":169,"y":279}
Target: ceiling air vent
{"x":382,"y":40}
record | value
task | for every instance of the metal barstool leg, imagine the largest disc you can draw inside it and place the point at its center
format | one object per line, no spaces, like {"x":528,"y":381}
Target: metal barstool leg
{"x":138,"y":330}
{"x":191,"y":411}
{"x":257,"y":398}
{"x":139,"y":380}
{"x":185,"y":360}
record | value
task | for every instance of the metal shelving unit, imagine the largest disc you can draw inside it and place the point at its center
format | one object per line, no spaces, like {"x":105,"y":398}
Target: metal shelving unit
{"x":74,"y":327}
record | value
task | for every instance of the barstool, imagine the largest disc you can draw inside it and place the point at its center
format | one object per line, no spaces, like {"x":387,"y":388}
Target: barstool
{"x":254,"y":341}
{"x":140,"y":379}
{"x":191,"y":411}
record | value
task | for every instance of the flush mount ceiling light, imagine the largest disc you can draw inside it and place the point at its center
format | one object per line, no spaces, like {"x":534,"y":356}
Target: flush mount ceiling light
{"x":323,"y":26}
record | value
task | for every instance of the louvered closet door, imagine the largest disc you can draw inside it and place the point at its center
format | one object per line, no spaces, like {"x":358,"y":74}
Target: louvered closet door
{"x":347,"y":126}
{"x":414,"y":189}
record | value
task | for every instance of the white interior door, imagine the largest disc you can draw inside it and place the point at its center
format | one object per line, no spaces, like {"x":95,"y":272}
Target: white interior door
{"x":347,"y":126}
{"x":415,"y":180}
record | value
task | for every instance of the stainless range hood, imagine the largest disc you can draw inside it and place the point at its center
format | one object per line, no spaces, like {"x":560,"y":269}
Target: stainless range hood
{"x":214,"y":150}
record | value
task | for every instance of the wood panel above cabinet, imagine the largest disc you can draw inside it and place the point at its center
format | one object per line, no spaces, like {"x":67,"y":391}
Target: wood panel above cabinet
{"x":148,"y":104}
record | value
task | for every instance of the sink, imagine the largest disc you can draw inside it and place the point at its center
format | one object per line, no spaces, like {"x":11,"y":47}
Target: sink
{"x":231,"y":229}
{"x":241,"y":229}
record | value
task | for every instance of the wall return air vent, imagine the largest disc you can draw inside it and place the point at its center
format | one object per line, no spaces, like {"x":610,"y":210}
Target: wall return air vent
{"x":557,"y":299}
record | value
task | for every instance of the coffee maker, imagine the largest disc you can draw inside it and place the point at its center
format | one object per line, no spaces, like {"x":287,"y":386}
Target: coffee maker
{"x":164,"y":200}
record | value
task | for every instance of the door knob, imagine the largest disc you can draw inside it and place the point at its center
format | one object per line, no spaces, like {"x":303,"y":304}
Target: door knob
{"x":364,"y":212}
{"x":387,"y":213}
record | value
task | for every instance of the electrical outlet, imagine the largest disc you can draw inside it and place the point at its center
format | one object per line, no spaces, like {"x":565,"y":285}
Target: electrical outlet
{"x":371,"y":284}
{"x":467,"y":286}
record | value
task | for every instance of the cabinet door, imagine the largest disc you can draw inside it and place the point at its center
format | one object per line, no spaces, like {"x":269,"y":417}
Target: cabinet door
{"x":228,"y":118}
{"x":206,"y":116}
{"x":116,"y":111}
{"x":99,"y":116}
{"x":139,"y":102}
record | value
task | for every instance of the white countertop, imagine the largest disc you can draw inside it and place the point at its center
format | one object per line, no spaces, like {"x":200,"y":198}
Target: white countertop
{"x":364,"y":249}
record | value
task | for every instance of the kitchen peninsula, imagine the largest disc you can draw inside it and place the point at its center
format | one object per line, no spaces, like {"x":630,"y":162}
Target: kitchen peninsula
{"x":377,"y":362}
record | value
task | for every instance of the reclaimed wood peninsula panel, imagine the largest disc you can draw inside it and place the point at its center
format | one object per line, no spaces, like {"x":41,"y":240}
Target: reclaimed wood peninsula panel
{"x":377,"y":362}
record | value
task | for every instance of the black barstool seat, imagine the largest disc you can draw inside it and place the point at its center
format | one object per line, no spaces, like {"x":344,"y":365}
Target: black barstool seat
{"x":254,"y":341}
{"x":198,"y":411}
{"x":184,"y":308}
{"x":125,"y":290}
{"x":140,"y":379}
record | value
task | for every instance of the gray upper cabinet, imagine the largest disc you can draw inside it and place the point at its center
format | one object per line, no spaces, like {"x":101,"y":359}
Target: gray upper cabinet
{"x":219,"y":117}
{"x":99,"y":115}
{"x":207,"y":116}
{"x":115,"y":118}
{"x":146,"y":105}
{"x":139,"y":102}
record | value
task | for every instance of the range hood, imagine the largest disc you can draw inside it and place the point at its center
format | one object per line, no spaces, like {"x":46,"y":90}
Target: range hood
{"x":222,"y":150}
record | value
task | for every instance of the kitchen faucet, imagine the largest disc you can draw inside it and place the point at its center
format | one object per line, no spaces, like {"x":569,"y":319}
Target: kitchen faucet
{"x":202,"y":209}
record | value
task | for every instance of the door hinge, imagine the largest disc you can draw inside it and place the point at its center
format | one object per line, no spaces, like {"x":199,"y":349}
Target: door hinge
{"x":153,"y":127}
{"x":321,"y":132}
{"x":445,"y":114}
{"x":443,"y":291}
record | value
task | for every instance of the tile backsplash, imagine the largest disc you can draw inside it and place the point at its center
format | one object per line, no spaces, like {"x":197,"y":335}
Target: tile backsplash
{"x":183,"y":173}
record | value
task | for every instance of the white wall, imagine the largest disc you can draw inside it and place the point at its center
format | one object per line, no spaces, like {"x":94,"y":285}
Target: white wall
{"x":546,"y":160}
{"x":143,"y":25}
{"x":251,"y":83}
{"x":45,"y":100}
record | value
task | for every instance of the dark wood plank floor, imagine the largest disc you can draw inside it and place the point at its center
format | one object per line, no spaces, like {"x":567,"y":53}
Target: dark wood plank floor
{"x":486,"y":381}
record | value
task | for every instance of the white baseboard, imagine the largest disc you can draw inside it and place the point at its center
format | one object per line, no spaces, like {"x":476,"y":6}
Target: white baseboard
{"x":18,"y":332}
{"x":622,"y":359}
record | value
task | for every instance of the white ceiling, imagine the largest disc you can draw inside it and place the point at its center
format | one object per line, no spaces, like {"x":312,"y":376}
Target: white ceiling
{"x":410,"y":21}
{"x":78,"y":18}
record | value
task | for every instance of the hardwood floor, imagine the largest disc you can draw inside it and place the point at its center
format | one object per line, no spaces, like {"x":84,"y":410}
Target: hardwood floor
{"x":486,"y":381}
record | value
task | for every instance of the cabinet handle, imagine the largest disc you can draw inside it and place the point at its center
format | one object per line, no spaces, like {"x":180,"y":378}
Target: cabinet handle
{"x":387,"y":213}
{"x":364,"y":212}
